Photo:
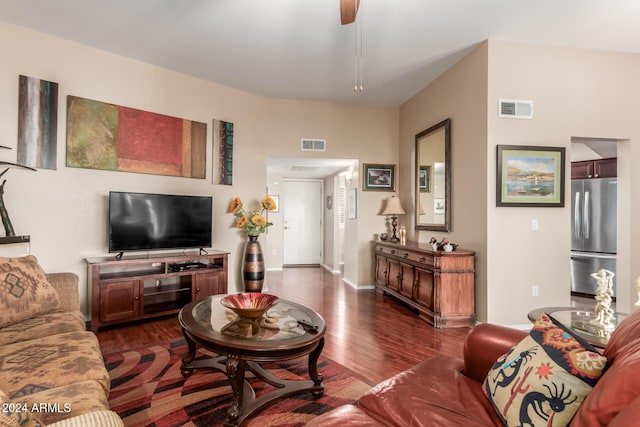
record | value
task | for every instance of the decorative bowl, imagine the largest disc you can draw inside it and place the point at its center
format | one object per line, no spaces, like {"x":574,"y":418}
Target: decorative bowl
{"x":249,"y":305}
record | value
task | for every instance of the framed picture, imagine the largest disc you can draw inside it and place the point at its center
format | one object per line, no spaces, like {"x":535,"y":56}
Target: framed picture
{"x":438,"y":206}
{"x":424,"y":178}
{"x":277,"y":200}
{"x":530,"y":176}
{"x":352,"y":204}
{"x":379,"y":177}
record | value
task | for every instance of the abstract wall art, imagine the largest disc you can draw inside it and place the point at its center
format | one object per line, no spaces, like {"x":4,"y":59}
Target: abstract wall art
{"x":37,"y":123}
{"x":111,"y":137}
{"x":222,"y":152}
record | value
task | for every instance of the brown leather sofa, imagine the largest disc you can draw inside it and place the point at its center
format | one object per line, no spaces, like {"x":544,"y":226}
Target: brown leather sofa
{"x":445,"y":391}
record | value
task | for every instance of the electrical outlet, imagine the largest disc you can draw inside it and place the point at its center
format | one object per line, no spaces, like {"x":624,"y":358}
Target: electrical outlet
{"x":535,"y":291}
{"x":534,"y":225}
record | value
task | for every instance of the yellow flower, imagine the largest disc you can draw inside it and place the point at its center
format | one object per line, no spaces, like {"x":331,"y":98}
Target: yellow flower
{"x":235,"y":204}
{"x":269,"y":204}
{"x":259,"y":220}
{"x":241,"y":221}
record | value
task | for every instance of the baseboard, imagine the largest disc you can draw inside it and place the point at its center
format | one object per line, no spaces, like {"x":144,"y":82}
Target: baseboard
{"x":330,"y":270}
{"x":301,"y":266}
{"x":358,"y":288}
{"x":275,"y":269}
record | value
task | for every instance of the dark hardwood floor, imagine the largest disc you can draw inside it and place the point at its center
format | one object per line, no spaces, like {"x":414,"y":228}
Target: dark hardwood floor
{"x":375,"y":336}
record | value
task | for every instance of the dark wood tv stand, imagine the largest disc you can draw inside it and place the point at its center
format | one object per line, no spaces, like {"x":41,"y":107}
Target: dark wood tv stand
{"x":141,"y":287}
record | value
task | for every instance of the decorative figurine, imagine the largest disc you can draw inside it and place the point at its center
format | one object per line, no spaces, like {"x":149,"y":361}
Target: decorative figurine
{"x":444,"y":245}
{"x":434,"y":243}
{"x":604,"y":318}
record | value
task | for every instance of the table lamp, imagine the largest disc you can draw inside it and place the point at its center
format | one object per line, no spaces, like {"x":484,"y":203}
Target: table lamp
{"x":394,"y":208}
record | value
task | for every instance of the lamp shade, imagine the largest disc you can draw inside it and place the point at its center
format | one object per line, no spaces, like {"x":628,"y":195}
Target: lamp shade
{"x":393,"y":207}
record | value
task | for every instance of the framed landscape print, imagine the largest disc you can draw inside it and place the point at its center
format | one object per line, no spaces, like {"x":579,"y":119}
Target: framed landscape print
{"x":379,"y":177}
{"x":530,"y":176}
{"x":425,"y":179}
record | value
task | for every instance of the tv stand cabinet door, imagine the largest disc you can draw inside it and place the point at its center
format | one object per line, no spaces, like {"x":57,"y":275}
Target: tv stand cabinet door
{"x":207,"y":284}
{"x":119,"y":301}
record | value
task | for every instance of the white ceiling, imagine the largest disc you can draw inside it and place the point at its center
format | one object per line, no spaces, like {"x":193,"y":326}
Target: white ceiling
{"x":297,"y":48}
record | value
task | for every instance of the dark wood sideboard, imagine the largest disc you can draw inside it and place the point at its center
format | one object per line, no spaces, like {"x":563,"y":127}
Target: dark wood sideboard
{"x":439,"y":285}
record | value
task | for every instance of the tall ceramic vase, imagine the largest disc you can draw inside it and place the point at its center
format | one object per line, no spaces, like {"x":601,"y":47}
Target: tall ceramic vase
{"x":253,"y":266}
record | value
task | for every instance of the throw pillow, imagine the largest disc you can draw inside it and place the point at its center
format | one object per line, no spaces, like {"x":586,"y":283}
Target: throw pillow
{"x":24,"y":290}
{"x":16,"y":414}
{"x":544,"y":379}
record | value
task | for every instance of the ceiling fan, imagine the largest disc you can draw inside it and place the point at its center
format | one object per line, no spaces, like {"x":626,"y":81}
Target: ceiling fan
{"x":348,"y":11}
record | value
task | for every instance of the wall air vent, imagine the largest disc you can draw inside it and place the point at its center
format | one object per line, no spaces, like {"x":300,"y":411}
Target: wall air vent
{"x":515,"y":109}
{"x":314,"y":144}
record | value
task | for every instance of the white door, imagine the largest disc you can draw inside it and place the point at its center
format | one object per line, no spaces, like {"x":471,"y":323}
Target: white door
{"x":302,"y":211}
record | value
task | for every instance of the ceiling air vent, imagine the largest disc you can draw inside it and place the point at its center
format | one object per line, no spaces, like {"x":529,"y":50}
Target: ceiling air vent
{"x":515,"y":109}
{"x":303,"y":168}
{"x":314,"y":144}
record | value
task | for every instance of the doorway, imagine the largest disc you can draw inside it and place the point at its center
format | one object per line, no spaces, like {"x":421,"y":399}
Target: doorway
{"x":594,"y":206}
{"x":327,"y":173}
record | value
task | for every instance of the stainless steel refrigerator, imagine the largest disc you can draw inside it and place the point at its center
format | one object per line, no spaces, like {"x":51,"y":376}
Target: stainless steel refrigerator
{"x":593,"y":231}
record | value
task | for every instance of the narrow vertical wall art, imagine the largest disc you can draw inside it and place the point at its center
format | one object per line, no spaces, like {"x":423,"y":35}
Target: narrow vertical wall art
{"x":222,"y":152}
{"x":37,"y":123}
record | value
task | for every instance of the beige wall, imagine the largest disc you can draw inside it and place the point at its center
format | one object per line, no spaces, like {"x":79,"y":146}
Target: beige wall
{"x":366,"y":133}
{"x":459,"y":94}
{"x":576,"y":93}
{"x":65,"y":210}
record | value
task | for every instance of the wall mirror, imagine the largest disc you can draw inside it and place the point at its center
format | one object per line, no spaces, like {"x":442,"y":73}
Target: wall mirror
{"x":433,"y":178}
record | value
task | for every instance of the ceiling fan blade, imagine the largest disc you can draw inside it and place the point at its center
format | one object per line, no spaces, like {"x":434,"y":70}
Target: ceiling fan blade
{"x":348,"y":11}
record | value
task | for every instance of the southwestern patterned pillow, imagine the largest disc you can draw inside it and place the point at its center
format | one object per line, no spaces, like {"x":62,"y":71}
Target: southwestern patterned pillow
{"x":24,"y":290}
{"x":545,"y":378}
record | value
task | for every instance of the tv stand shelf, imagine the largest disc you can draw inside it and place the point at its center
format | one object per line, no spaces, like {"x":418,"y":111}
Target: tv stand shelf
{"x":134,"y":287}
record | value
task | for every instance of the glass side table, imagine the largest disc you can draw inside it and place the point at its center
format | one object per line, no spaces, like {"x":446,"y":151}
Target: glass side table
{"x":578,"y":321}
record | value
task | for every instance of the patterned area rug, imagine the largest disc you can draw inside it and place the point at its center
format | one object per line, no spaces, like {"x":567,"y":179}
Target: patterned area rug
{"x":147,"y":389}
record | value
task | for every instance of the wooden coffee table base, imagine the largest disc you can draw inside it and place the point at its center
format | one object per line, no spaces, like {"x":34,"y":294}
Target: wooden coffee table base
{"x":245,"y":402}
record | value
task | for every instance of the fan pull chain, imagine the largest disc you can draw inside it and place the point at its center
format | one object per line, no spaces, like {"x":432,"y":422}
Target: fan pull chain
{"x":358,"y":59}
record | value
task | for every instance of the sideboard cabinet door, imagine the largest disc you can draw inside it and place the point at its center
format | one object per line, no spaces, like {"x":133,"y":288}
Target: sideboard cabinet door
{"x":394,"y":275}
{"x":381,"y":270}
{"x":424,"y":288}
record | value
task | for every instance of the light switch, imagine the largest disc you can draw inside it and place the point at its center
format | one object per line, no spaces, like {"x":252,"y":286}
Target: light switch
{"x":534,"y":225}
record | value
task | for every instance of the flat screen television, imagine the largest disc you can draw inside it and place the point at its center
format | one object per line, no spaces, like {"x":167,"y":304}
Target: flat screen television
{"x":142,"y":221}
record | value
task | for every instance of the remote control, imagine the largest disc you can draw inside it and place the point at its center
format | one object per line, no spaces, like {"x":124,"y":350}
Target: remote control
{"x":308,"y":326}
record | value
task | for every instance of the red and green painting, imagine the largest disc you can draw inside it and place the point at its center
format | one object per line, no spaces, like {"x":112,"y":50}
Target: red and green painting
{"x":111,"y":137}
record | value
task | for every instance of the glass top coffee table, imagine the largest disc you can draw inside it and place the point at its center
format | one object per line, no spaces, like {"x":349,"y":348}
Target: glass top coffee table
{"x":579,"y":322}
{"x":242,"y":343}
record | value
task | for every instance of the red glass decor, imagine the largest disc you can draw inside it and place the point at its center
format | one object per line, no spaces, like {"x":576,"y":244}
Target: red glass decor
{"x":249,"y":305}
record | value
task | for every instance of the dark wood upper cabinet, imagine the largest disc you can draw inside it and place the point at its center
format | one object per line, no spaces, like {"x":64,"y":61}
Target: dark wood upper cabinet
{"x":602,"y":168}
